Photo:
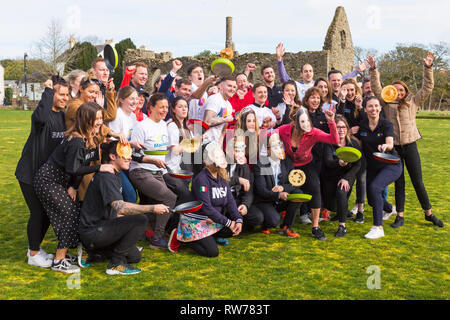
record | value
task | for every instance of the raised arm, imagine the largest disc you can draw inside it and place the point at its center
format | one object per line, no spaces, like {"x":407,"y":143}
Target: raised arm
{"x":284,"y":77}
{"x":428,"y":81}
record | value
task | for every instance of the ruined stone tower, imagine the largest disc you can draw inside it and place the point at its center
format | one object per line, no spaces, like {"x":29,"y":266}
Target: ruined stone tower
{"x":339,"y":42}
{"x":337,"y":53}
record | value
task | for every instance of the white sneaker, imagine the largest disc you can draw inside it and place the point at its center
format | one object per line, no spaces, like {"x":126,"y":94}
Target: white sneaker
{"x":39,"y":260}
{"x":304,"y":219}
{"x":354,"y":209}
{"x":65,"y":266}
{"x":387,"y":215}
{"x":375,"y":233}
{"x":43,"y":253}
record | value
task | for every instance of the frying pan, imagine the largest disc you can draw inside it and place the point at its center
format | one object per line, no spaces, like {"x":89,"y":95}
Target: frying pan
{"x":111,"y":57}
{"x":200,"y":122}
{"x":348,"y":154}
{"x":187,"y":207}
{"x":386,"y":157}
{"x":299,"y":197}
{"x":180,"y":174}
{"x":156,"y":152}
{"x":222,"y":67}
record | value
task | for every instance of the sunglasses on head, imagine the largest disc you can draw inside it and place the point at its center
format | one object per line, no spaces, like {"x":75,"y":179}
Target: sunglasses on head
{"x":92,"y":81}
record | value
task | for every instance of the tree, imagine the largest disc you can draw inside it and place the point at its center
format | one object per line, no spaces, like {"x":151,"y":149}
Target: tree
{"x":15,"y":69}
{"x":86,"y":53}
{"x":405,"y":63}
{"x":8,"y":96}
{"x":121,"y":48}
{"x":53,"y":48}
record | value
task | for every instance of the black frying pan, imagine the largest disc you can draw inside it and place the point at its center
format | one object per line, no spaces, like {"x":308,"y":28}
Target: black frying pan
{"x":187,"y":207}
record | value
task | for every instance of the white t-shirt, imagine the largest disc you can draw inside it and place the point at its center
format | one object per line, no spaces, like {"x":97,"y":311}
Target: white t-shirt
{"x":174,"y":160}
{"x":197,"y":106}
{"x":123,"y":123}
{"x":154,"y":136}
{"x":222,"y":108}
{"x":302,"y":87}
{"x":262,"y":113}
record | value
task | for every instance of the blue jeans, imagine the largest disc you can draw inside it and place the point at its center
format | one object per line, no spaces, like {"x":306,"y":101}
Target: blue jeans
{"x":376,"y":183}
{"x":128,"y":191}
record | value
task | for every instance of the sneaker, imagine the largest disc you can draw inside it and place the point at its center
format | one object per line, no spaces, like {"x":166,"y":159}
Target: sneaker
{"x":318,"y":234}
{"x":222,"y":241}
{"x":325,"y":215}
{"x":359,"y":217}
{"x":65,"y":266}
{"x":387,"y":215}
{"x":399,"y":221}
{"x":304,"y":219}
{"x":264,"y":230}
{"x":46,"y":255}
{"x":435,"y":220}
{"x":123,"y":269}
{"x":375,"y":233}
{"x":173,"y":241}
{"x":341,"y":231}
{"x":286,"y":231}
{"x":354,"y":209}
{"x":39,"y":260}
{"x":159,"y":243}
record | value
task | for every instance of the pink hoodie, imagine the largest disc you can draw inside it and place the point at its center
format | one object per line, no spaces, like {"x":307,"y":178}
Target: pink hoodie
{"x":302,"y":155}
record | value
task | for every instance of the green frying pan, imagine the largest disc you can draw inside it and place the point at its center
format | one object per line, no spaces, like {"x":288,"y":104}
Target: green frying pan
{"x":348,"y":154}
{"x":222,"y":67}
{"x":299,"y":197}
{"x":156,"y":152}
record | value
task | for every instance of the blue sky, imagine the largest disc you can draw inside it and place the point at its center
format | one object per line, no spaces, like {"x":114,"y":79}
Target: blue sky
{"x":186,"y":27}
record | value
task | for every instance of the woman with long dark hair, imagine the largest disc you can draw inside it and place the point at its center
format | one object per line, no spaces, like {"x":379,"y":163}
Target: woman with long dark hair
{"x":56,"y":182}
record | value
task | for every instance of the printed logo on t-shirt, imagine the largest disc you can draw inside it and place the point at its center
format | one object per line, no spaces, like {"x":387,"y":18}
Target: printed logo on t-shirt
{"x":89,"y":155}
{"x":218,"y":193}
{"x":203,"y":189}
{"x":347,"y":110}
{"x":57,"y":135}
{"x":379,"y":134}
{"x":363,"y":134}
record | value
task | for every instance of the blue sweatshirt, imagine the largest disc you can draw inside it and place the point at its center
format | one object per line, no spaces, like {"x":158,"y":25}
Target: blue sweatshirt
{"x":216,"y":196}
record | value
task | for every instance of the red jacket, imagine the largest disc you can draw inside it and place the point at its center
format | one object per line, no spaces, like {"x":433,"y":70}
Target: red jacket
{"x":302,"y":155}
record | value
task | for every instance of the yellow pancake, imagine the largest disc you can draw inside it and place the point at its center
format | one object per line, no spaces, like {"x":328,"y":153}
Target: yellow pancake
{"x":297,"y":178}
{"x":124,"y":150}
{"x":389,"y":94}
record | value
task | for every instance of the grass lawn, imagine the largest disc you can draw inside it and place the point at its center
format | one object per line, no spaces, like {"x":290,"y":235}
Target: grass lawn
{"x":413,"y":260}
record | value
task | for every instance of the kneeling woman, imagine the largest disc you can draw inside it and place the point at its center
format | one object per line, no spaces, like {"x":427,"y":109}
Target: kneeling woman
{"x":339,"y":176}
{"x":377,"y":135}
{"x":57,"y":180}
{"x":219,"y":216}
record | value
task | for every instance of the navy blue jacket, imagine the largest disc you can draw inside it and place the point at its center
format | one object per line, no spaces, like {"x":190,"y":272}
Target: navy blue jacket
{"x":218,"y":202}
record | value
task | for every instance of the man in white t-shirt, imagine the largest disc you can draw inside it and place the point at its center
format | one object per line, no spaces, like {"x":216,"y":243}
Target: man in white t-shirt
{"x":218,"y":110}
{"x":198,"y":90}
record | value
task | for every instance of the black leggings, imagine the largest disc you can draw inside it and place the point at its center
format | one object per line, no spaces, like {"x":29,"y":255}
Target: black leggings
{"x":312,"y":185}
{"x":207,"y":247}
{"x":410,"y":155}
{"x":38,"y":222}
{"x":336,"y":199}
{"x":119,"y":236}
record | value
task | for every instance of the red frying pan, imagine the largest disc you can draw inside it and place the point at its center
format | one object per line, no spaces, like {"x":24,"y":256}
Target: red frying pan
{"x":386,"y":157}
{"x":180,"y":174}
{"x":200,"y":122}
{"x":188,"y":207}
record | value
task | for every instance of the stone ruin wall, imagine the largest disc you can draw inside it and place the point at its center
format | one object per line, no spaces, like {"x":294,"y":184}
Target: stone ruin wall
{"x":162,"y":63}
{"x":337,"y":53}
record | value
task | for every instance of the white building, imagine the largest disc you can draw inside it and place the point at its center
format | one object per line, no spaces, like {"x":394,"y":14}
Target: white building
{"x":2,"y":84}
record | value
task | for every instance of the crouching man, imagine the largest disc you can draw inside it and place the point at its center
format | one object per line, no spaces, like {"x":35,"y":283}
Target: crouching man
{"x":109,"y":226}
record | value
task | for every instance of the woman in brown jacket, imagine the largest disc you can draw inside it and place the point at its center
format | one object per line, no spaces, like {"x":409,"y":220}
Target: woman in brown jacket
{"x":90,"y":92}
{"x":402,"y":113}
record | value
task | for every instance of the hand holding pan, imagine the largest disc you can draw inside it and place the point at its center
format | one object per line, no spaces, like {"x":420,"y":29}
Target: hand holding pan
{"x":187,"y":207}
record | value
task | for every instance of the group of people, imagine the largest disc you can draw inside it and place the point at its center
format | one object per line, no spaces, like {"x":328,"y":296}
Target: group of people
{"x":75,"y":175}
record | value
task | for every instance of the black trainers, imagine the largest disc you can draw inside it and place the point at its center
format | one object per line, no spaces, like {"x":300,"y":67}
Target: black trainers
{"x":341,"y":231}
{"x":435,"y":220}
{"x":399,"y":221}
{"x":318,"y":234}
{"x":359,"y":217}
